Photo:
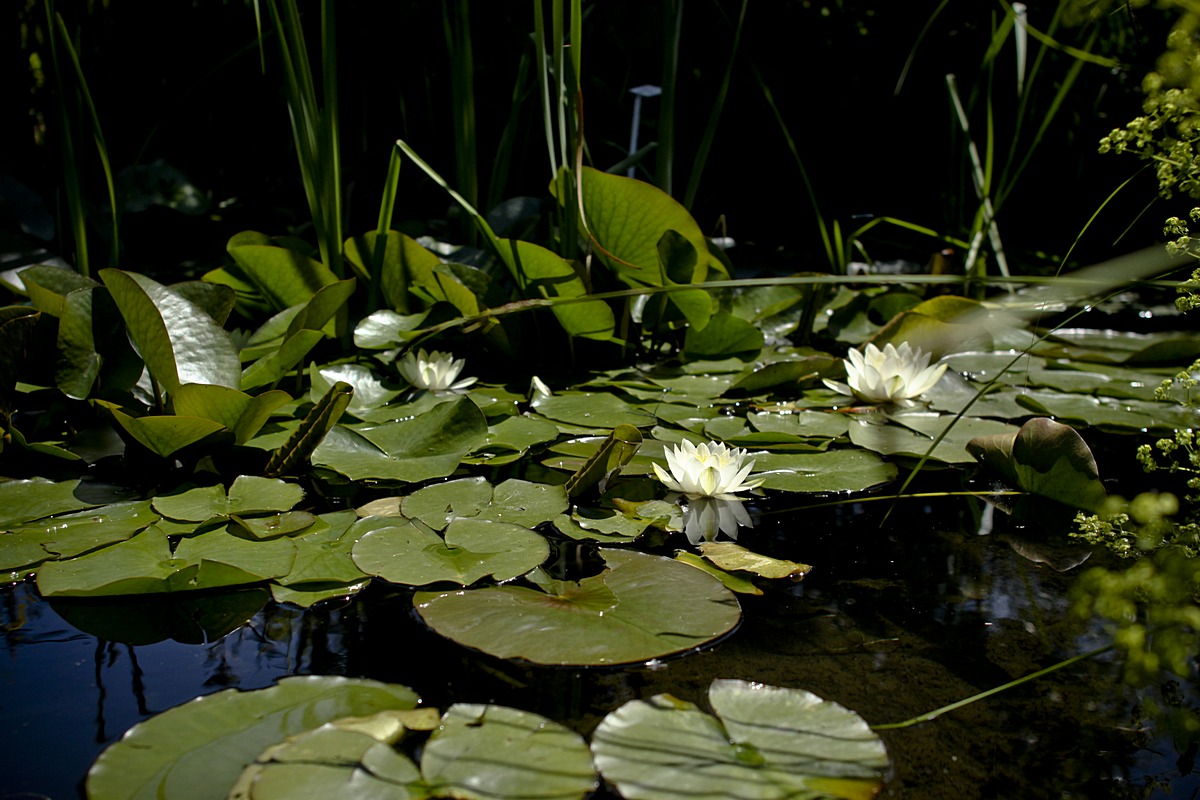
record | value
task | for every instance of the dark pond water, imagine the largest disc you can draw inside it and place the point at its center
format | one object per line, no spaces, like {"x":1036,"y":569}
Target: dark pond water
{"x":893,"y":621}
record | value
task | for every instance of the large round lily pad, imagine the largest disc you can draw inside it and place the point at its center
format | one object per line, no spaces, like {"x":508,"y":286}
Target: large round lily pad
{"x":640,"y":607}
{"x":764,"y":743}
{"x":197,"y":750}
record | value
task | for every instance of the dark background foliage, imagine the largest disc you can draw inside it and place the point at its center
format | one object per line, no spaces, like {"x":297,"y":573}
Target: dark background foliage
{"x":183,"y":82}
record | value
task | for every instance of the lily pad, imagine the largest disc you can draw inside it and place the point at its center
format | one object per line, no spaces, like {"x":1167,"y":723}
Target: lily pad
{"x":430,"y":445}
{"x":25,"y":500}
{"x":248,"y":495}
{"x":912,"y":434}
{"x":196,"y":751}
{"x":409,"y":553}
{"x":487,"y":752}
{"x":70,"y":535}
{"x":764,"y":743}
{"x":832,"y":471}
{"x":593,"y":410}
{"x":640,"y":607}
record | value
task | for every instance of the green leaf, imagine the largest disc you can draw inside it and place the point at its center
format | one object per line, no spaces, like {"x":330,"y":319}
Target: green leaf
{"x":285,"y":277}
{"x":236,"y":411}
{"x":724,"y":335}
{"x":833,"y":471}
{"x":592,"y":410}
{"x":764,"y":743}
{"x":914,"y":432}
{"x":164,"y":435}
{"x":67,"y":535}
{"x":542,"y":273}
{"x":248,"y":495}
{"x":640,"y":607}
{"x":197,"y":750}
{"x":439,"y":504}
{"x":25,"y":500}
{"x":488,"y":752}
{"x":611,"y":455}
{"x":627,"y":218}
{"x":1046,"y":458}
{"x":730,"y":556}
{"x":405,"y":264}
{"x":192,"y":348}
{"x":430,"y":445}
{"x":410,"y":553}
{"x":48,"y":287}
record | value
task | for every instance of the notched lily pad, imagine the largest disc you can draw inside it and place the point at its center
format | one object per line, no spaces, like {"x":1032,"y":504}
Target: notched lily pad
{"x":640,"y":607}
{"x":765,"y":742}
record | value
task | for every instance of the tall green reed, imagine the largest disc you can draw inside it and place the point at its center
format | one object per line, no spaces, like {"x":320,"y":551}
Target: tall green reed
{"x":77,"y":111}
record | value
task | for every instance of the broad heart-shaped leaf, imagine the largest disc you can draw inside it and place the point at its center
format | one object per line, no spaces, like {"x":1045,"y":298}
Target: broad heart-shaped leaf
{"x":593,"y":410}
{"x":542,"y":273}
{"x":285,"y":277}
{"x":628,"y":217}
{"x":177,"y":339}
{"x":167,"y":434}
{"x":832,"y":471}
{"x":145,"y":564}
{"x":1109,"y":414}
{"x":765,"y":743}
{"x":323,"y":552}
{"x":48,"y":286}
{"x":640,"y":607}
{"x":430,"y":445}
{"x":405,"y":263}
{"x":26,"y":500}
{"x":237,"y":411}
{"x":385,"y":328}
{"x":1046,"y":458}
{"x":272,"y":367}
{"x":724,"y":335}
{"x":196,"y":751}
{"x":249,"y":494}
{"x":487,"y":752}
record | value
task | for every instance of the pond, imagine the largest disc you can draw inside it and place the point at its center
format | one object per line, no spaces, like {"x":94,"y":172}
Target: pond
{"x":894,"y":620}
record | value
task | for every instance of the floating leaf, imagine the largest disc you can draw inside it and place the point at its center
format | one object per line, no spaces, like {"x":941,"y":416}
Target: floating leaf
{"x":25,"y":500}
{"x":428,"y":446}
{"x":70,"y":535}
{"x":832,"y":471}
{"x":409,"y":553}
{"x":730,"y":556}
{"x":487,"y":752}
{"x":248,"y":495}
{"x":640,"y":607}
{"x":196,"y":751}
{"x":764,"y":743}
{"x":912,"y":434}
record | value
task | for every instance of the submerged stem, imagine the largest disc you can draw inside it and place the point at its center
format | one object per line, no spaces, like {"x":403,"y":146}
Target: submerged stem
{"x":931,"y":715}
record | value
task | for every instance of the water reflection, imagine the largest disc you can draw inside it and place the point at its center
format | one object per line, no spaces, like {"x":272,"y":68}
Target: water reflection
{"x":705,"y":517}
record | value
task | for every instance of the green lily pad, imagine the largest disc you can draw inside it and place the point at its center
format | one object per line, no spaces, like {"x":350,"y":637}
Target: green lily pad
{"x":307,"y":595}
{"x":832,"y":471}
{"x":247,"y":496}
{"x":1046,"y":458}
{"x":70,"y":535}
{"x":640,"y":607}
{"x":730,"y":556}
{"x":912,"y":433}
{"x":323,"y":552}
{"x":525,"y":503}
{"x":409,"y":553}
{"x":764,"y":743}
{"x":196,"y":751}
{"x":1111,"y":414}
{"x":25,"y":500}
{"x":487,"y":752}
{"x":430,"y":445}
{"x":144,"y":564}
{"x":803,"y":424}
{"x":724,"y":335}
{"x":593,"y":410}
{"x":438,"y":504}
{"x":734,"y":583}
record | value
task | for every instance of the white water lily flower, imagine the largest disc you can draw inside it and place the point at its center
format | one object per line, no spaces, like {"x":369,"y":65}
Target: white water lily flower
{"x":434,"y":371}
{"x":706,"y":470}
{"x":890,"y":375}
{"x":705,"y":517}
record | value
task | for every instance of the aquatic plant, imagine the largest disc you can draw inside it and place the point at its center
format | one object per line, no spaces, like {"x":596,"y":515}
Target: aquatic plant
{"x":891,"y":375}
{"x":708,"y":469}
{"x":435,"y":371}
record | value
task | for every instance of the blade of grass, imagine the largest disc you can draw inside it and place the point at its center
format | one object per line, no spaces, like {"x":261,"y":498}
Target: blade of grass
{"x":672,"y":20}
{"x":456,"y":25}
{"x":72,"y":183}
{"x":97,"y":137}
{"x":386,"y":206}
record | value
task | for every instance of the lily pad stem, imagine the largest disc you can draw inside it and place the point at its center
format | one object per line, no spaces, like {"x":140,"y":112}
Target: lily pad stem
{"x":931,"y":715}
